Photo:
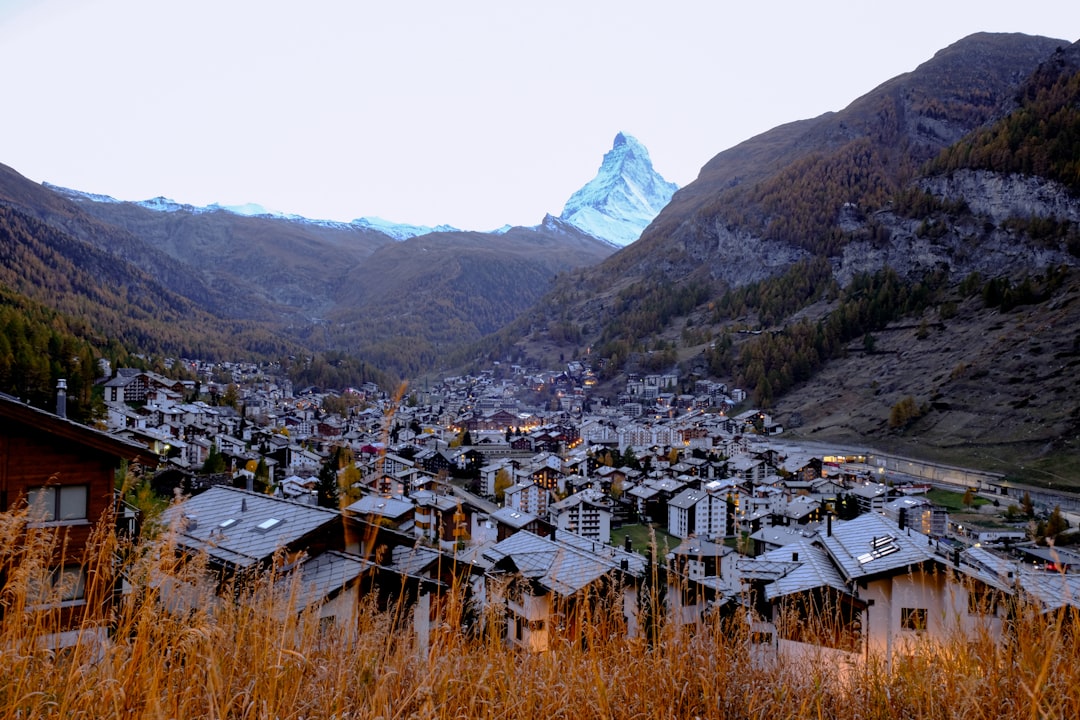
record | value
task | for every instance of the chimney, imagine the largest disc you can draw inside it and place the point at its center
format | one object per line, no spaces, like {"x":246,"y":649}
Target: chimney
{"x":956,"y":557}
{"x":794,"y":557}
{"x":628,"y":544}
{"x":243,"y":504}
{"x":61,"y":397}
{"x":903,"y":518}
{"x":828,"y":524}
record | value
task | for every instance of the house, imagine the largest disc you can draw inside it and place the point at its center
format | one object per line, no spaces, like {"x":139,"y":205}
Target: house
{"x":240,"y":531}
{"x":587,"y":513}
{"x":549,"y":586}
{"x":918,"y":513}
{"x":701,"y":576}
{"x":871,"y":497}
{"x":527,"y":497}
{"x":705,"y":512}
{"x":509,"y":521}
{"x":392,"y":512}
{"x":868,"y":586}
{"x":131,"y":386}
{"x":63,"y":472}
{"x":441,"y":518}
{"x":320,"y":558}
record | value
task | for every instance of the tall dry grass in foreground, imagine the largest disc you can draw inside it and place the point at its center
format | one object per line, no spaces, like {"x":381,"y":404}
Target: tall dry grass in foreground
{"x":258,"y":659}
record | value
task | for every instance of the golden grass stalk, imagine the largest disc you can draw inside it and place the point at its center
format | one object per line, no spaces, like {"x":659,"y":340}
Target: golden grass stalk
{"x":247,"y":653}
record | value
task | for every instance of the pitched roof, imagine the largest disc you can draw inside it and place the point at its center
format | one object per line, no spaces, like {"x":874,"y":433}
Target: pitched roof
{"x":513,"y":518}
{"x":563,"y":565}
{"x":392,"y":508}
{"x":687,"y":498}
{"x":321,"y":577}
{"x":84,"y":435}
{"x":812,"y":570}
{"x":243,"y":528}
{"x":872,"y":544}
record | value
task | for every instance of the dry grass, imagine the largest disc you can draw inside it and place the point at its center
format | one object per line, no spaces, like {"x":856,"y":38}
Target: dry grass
{"x":257,"y":659}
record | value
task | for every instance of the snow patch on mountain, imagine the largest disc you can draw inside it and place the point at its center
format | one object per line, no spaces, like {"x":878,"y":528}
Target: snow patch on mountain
{"x":624,"y":197}
{"x":79,"y":194}
{"x":247,"y":210}
{"x":399,"y":231}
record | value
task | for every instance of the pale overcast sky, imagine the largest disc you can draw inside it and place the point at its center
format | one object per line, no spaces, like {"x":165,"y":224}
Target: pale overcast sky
{"x":470,"y":113}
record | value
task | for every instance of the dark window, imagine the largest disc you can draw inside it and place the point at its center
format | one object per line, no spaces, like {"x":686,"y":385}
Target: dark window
{"x":913,"y":619}
{"x":982,"y":601}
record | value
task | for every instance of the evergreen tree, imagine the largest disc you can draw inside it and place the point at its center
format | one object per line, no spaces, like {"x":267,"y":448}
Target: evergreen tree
{"x":215,"y":461}
{"x":327,"y":488}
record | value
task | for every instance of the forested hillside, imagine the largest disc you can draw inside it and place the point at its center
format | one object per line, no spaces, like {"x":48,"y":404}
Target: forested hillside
{"x":114,"y":301}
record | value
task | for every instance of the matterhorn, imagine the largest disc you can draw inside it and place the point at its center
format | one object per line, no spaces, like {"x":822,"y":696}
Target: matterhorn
{"x":623,"y":198}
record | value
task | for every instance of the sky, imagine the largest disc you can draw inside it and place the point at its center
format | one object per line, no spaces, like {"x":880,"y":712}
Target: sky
{"x":473,"y":113}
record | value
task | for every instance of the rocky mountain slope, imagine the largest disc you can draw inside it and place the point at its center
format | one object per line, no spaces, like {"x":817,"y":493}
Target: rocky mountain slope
{"x":821,"y":235}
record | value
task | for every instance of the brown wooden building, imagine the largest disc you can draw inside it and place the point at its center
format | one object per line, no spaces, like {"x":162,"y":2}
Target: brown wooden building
{"x":63,"y":472}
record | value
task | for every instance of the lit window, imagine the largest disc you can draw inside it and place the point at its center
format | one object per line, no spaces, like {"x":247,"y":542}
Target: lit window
{"x":58,"y":503}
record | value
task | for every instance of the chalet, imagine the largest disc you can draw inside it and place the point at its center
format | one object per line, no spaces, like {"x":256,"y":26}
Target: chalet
{"x":241,"y":531}
{"x":392,"y":512}
{"x":65,"y":473}
{"x":918,"y":513}
{"x":509,"y":521}
{"x":441,"y":518}
{"x":887,"y":586}
{"x":691,"y":513}
{"x":701,"y":575}
{"x":321,"y":558}
{"x":871,"y":497}
{"x":433,"y":461}
{"x":528,"y":497}
{"x":548,"y":585}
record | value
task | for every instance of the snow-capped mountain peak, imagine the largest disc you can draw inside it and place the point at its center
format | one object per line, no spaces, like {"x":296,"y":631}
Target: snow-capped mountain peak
{"x":399,"y":231}
{"x":623,"y":198}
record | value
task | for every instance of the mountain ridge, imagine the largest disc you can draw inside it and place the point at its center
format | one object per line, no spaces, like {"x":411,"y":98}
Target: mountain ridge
{"x":623,"y":198}
{"x":782,"y":262}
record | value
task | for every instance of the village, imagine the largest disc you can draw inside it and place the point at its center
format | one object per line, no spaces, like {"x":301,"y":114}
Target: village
{"x":536,"y":498}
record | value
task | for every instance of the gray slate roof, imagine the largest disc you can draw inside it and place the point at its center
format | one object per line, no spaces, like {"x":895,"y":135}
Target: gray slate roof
{"x":813,"y":570}
{"x":319,"y":578}
{"x":872,"y":544}
{"x":243,"y":528}
{"x":392,"y":508}
{"x":565,"y":565}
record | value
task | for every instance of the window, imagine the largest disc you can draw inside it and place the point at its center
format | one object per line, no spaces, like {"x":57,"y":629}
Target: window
{"x":268,"y":524}
{"x":65,"y":584}
{"x":58,"y":503}
{"x":70,"y":582}
{"x":982,"y":600}
{"x":913,"y":619}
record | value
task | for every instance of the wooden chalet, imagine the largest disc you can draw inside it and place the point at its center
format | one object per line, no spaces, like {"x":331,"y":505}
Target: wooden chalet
{"x":62,"y":473}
